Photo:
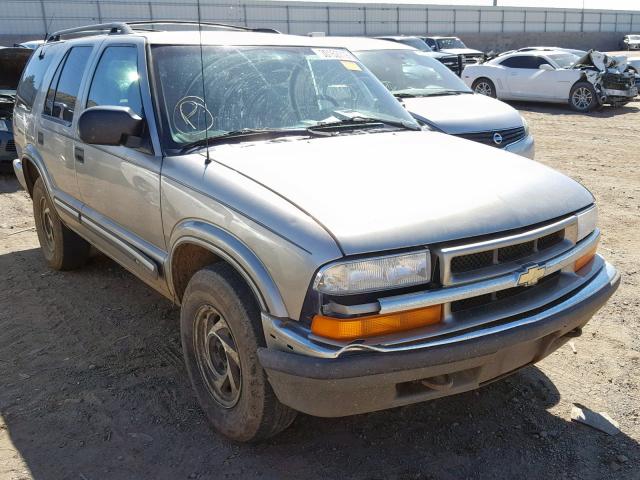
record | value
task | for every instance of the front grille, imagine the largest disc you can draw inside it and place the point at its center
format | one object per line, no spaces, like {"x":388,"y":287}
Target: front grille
{"x":10,"y":146}
{"x":615,"y":81}
{"x":471,"y":59}
{"x":453,"y":63}
{"x":507,"y":137}
{"x":510,"y":253}
{"x":486,"y":299}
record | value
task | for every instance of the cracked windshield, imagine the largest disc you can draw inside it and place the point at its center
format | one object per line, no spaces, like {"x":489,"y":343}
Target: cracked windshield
{"x":265,"y":88}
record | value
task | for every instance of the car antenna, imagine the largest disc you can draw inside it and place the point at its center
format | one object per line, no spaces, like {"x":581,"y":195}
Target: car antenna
{"x":46,"y":35}
{"x":204,"y":94}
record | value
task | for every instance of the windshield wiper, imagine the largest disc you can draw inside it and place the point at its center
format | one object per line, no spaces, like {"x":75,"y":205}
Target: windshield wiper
{"x":401,"y":94}
{"x":358,"y":121}
{"x":253,"y":133}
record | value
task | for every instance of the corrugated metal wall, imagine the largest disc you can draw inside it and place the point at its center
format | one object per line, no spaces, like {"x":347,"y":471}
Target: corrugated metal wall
{"x":35,"y":17}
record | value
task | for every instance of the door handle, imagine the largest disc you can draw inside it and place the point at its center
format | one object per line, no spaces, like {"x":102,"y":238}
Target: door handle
{"x":79,"y":154}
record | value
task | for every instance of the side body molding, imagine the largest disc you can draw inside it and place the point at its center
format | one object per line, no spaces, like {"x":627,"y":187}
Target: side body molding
{"x":232,"y":250}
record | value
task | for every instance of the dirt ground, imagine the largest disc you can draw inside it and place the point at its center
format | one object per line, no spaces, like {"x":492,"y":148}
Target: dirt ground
{"x":92,"y":384}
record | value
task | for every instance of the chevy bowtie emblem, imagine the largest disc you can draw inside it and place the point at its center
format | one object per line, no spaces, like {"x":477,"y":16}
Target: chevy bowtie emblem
{"x":531,"y":276}
{"x":497,"y":138}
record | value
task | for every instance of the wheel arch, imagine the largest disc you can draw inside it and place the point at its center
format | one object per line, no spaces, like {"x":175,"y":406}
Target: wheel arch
{"x":195,"y":244}
{"x":33,"y":168}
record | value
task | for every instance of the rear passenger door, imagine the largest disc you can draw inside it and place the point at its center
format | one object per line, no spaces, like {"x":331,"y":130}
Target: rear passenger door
{"x":54,"y":132}
{"x":120,"y":185}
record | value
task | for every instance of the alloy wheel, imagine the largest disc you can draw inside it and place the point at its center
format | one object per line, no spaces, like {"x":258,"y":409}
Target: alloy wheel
{"x":483,"y":88}
{"x":582,"y":98}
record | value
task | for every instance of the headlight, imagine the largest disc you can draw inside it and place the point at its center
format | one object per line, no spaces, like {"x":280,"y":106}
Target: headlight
{"x":587,"y":222}
{"x":367,"y":275}
{"x":525,"y":125}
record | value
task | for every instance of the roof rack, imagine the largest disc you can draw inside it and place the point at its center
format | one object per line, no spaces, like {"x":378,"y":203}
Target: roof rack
{"x":123,"y":28}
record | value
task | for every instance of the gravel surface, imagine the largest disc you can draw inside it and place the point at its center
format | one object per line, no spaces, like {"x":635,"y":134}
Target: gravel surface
{"x":92,"y":384}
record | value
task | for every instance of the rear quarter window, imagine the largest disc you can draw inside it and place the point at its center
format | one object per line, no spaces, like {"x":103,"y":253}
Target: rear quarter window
{"x":32,"y":77}
{"x":64,"y":88}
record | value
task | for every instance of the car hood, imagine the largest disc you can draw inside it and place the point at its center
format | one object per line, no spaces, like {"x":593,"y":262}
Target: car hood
{"x":383,"y":191}
{"x":461,"y":51}
{"x":12,"y":62}
{"x":465,"y":113}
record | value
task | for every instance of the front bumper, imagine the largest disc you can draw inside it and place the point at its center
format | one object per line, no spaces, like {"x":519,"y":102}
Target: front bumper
{"x":19,"y":171}
{"x":525,"y":147}
{"x":365,"y":382}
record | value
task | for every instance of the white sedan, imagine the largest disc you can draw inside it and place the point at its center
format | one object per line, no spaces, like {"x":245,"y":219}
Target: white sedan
{"x":553,"y":76}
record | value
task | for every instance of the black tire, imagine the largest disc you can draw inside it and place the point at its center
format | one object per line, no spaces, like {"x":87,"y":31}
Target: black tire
{"x":583,"y":97}
{"x":219,"y":324}
{"x":63,"y":249}
{"x":484,"y":86}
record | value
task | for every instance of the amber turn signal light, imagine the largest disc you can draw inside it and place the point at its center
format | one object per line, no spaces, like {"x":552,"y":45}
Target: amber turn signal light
{"x":586,"y":258}
{"x":374,"y":325}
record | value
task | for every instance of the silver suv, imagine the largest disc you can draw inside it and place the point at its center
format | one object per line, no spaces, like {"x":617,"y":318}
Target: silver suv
{"x":329,"y":257}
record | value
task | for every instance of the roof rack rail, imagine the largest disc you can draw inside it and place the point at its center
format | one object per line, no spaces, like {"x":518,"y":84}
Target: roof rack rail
{"x":198,"y":24}
{"x":110,"y":28}
{"x":130,"y":27}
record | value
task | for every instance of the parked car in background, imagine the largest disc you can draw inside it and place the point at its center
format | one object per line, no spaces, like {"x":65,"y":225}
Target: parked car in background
{"x":633,"y":65}
{"x":435,"y":96}
{"x":553,"y":76}
{"x":32,"y":44}
{"x":579,"y":53}
{"x":12,"y":62}
{"x":328,"y":255}
{"x":453,"y":62}
{"x":630,"y":42}
{"x":454,"y":46}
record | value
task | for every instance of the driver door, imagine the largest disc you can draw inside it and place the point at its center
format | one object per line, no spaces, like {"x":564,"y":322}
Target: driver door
{"x":526,"y":80}
{"x":120,"y":185}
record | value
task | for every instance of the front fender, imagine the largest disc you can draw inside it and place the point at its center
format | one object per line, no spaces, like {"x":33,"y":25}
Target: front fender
{"x":236,"y":253}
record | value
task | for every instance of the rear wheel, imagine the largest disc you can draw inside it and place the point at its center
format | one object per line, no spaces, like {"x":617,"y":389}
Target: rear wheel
{"x":484,"y":86}
{"x":583,"y":97}
{"x":221,"y":332}
{"x":63,"y":249}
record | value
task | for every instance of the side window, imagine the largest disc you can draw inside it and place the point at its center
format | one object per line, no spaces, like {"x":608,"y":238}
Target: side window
{"x":51,"y":93}
{"x":540,"y":61}
{"x":522,"y":61}
{"x":32,"y":78}
{"x":431,"y":42}
{"x":116,"y":80}
{"x":66,"y":84}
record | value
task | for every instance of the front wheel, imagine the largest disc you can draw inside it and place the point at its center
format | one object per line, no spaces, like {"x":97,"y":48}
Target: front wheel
{"x":583,"y":97}
{"x":221,"y":332}
{"x":484,"y":86}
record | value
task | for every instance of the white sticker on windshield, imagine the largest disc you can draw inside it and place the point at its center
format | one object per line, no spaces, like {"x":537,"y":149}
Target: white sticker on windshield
{"x":337,"y":53}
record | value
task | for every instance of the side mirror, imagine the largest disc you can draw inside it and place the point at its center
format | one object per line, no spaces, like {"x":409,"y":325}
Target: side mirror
{"x":546,"y":66}
{"x":109,"y":125}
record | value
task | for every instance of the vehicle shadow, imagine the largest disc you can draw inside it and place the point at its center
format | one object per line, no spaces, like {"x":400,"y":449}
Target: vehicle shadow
{"x":604,"y":112}
{"x":93,"y":386}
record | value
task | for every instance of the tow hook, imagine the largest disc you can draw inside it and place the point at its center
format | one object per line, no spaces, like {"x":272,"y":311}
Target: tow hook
{"x":439,"y":382}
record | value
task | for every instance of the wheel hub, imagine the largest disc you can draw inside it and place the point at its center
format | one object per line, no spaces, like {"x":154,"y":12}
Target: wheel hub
{"x":582,"y":98}
{"x":47,"y":224}
{"x":217,"y":356}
